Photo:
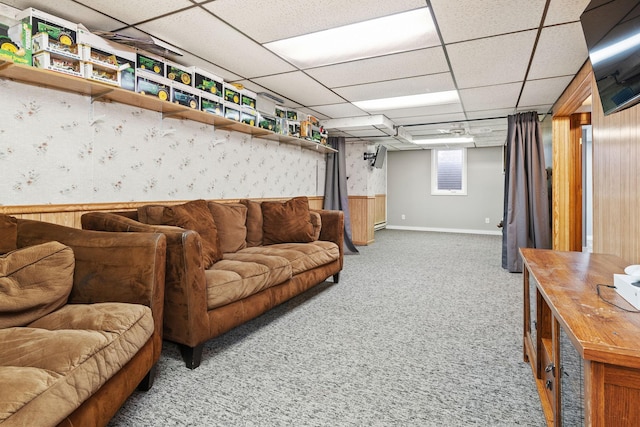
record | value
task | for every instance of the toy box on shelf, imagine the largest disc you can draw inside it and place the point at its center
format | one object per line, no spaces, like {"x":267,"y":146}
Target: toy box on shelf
{"x":267,"y":122}
{"x":207,"y":82}
{"x":150,"y":63}
{"x":179,"y":73}
{"x":183,"y":95}
{"x":41,"y":22}
{"x":248,"y":116}
{"x":211,"y":104}
{"x":231,"y":94}
{"x":148,"y":84}
{"x":55,"y":62}
{"x":310,"y":129}
{"x":15,"y":40}
{"x":248,"y":99}
{"x":232,"y":111}
{"x":107,"y":61}
{"x":42,"y":42}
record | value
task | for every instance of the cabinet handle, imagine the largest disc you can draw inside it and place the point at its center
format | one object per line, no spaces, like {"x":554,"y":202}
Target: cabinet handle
{"x":549,"y":384}
{"x":550,"y":367}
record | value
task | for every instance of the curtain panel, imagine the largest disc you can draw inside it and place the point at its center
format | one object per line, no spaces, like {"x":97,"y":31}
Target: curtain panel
{"x":335,"y":188}
{"x":526,"y":204}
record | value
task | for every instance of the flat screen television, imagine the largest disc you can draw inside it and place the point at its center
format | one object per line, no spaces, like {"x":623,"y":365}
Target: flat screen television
{"x":612,"y":32}
{"x":381,"y":153}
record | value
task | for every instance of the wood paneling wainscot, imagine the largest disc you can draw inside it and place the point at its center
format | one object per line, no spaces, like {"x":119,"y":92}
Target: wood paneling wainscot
{"x":380,"y":209}
{"x":69,"y":215}
{"x":362,"y":211}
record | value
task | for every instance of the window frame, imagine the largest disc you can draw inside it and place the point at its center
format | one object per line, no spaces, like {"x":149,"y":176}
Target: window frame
{"x":435,"y":190}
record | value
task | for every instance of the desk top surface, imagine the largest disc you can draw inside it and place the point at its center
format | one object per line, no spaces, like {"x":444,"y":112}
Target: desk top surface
{"x":568,"y":283}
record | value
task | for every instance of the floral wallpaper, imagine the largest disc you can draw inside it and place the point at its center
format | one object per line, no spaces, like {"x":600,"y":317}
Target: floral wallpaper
{"x":58,"y":148}
{"x":364,"y":180}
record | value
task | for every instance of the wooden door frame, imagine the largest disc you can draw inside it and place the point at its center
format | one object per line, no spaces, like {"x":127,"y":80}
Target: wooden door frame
{"x":567,"y":162}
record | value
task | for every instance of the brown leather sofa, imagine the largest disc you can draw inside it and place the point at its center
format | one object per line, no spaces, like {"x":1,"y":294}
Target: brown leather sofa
{"x":78,"y":361}
{"x":251,"y":276}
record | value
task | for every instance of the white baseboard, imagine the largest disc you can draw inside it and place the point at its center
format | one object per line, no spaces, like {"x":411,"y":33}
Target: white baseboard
{"x":445,"y":230}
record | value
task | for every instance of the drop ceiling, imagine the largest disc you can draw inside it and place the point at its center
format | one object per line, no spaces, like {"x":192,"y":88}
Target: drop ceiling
{"x":502,"y":56}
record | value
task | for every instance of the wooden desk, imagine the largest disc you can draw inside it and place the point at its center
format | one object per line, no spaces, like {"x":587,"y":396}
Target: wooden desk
{"x":584,"y":352}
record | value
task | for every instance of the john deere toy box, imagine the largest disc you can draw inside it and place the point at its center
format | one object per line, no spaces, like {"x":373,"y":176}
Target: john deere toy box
{"x":183,"y":95}
{"x":15,"y":40}
{"x":211,"y":104}
{"x":59,"y":31}
{"x":179,"y":73}
{"x":231,"y":94}
{"x":151,"y":64}
{"x":207,"y":82}
{"x":248,"y":99}
{"x":157,"y":86}
{"x":107,"y":61}
{"x":55,"y":62}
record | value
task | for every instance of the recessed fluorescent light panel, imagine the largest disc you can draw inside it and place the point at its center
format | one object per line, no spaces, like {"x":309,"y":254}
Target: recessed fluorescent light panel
{"x":409,"y":101}
{"x":454,"y":140}
{"x":380,"y":36}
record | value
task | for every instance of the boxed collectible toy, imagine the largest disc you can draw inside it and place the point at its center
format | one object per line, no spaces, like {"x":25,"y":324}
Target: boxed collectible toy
{"x":157,"y":86}
{"x":207,"y":82}
{"x":150,"y":63}
{"x":179,"y":73}
{"x":232,"y":111}
{"x":58,"y":29}
{"x":211,"y":104}
{"x":183,"y":95}
{"x":15,"y":40}
{"x":55,"y":62}
{"x":231,"y":94}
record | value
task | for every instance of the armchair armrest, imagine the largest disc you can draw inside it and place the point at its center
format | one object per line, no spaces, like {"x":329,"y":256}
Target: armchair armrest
{"x":185,"y":306}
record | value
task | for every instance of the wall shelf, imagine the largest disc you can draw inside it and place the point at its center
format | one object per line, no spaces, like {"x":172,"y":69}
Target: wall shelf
{"x":103,"y":92}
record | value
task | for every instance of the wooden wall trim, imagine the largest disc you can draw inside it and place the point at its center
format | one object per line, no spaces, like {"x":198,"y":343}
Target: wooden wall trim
{"x":362,"y":212}
{"x":574,"y":95}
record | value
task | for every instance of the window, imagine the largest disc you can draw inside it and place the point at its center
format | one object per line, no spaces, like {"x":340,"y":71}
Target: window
{"x":449,"y":172}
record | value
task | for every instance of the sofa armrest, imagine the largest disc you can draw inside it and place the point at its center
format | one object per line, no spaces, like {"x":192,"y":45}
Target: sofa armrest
{"x":185,"y":307}
{"x":109,"y":267}
{"x":332,"y":229}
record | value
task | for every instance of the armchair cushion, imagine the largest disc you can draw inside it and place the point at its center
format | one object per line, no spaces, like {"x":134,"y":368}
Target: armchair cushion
{"x":34,"y":281}
{"x":195,"y":215}
{"x":230,"y":218}
{"x":286,"y":222}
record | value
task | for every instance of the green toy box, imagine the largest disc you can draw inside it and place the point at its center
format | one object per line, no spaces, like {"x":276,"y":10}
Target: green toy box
{"x":15,"y":41}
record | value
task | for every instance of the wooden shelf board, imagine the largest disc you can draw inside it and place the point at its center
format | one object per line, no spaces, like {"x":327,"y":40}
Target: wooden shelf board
{"x":104,"y":92}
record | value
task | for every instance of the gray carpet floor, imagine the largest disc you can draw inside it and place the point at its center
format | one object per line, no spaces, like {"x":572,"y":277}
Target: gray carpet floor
{"x":424,"y":329}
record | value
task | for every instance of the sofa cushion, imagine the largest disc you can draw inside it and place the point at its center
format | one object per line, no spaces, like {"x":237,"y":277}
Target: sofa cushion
{"x":229,"y":280}
{"x":230,"y":218}
{"x":63,"y":358}
{"x":34,"y":281}
{"x":302,"y":256}
{"x":254,"y":222}
{"x":151,"y":214}
{"x":285,"y":222}
{"x":279,"y":267}
{"x":8,"y":233}
{"x":195,"y":215}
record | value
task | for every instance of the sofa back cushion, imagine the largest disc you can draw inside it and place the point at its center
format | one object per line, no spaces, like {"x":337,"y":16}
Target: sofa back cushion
{"x":231,"y":221}
{"x":8,"y":233}
{"x":195,"y":215}
{"x":316,"y":222}
{"x":286,"y":222}
{"x":34,"y":281}
{"x":254,"y":222}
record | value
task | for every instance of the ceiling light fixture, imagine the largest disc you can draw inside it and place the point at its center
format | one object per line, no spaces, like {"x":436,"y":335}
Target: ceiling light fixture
{"x":455,"y":140}
{"x":380,"y":36}
{"x":409,"y":101}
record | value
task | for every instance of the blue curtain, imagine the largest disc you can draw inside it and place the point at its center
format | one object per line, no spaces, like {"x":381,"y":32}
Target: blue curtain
{"x":525,"y":218}
{"x":335,"y":189}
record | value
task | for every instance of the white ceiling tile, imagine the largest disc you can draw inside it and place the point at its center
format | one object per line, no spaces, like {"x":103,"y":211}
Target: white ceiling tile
{"x":559,"y":59}
{"x":561,"y":11}
{"x":217,"y":42}
{"x":490,"y":97}
{"x":135,"y":11}
{"x":537,"y":92}
{"x":71,"y":11}
{"x":299,"y":87}
{"x":471,"y":19}
{"x":491,"y":61}
{"x":389,"y":67}
{"x":338,"y":111}
{"x":392,"y":88}
{"x":264,"y":21}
